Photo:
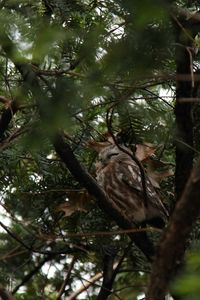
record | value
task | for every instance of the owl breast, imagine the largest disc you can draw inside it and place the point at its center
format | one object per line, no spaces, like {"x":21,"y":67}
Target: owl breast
{"x":114,"y":182}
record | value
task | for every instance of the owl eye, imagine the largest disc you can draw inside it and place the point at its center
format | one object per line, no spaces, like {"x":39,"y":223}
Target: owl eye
{"x":112,"y":154}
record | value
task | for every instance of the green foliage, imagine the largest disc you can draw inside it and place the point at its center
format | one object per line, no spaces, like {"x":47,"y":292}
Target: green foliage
{"x":187,"y":284}
{"x":100,"y":66}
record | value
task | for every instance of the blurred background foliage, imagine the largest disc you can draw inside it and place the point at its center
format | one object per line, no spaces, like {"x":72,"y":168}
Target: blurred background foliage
{"x":187,"y":284}
{"x":90,"y":58}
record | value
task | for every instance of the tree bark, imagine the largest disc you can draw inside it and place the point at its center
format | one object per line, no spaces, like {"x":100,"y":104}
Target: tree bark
{"x":173,"y":243}
{"x":108,"y":278}
{"x":5,"y":295}
{"x":183,"y":110}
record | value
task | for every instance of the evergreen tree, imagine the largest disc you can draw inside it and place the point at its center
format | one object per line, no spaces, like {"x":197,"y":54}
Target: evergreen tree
{"x":72,"y":71}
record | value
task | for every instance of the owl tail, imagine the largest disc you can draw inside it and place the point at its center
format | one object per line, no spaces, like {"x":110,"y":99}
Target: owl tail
{"x":157,"y":222}
{"x":143,"y":242}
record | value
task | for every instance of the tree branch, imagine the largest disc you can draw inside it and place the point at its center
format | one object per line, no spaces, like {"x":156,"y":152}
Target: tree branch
{"x":108,"y":278}
{"x":86,"y":180}
{"x":191,"y":19}
{"x":6,"y":117}
{"x":5,"y":295}
{"x":67,"y":155}
{"x":84,"y":287}
{"x":33,"y":272}
{"x":65,"y":282}
{"x":173,"y":243}
{"x":183,"y":110}
{"x":110,"y":272}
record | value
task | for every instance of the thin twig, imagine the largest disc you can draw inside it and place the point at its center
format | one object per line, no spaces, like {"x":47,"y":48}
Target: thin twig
{"x":32,"y":273}
{"x":65,"y":282}
{"x":103,"y":233}
{"x":68,"y":250}
{"x":84,"y":287}
{"x":116,"y":270}
{"x":189,"y":50}
{"x":15,"y":237}
{"x":56,"y":72}
{"x":8,"y":142}
{"x":90,"y":282}
{"x":161,"y":98}
{"x":187,"y":146}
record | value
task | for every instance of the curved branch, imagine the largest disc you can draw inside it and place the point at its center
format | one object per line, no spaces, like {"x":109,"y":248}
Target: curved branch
{"x":85,"y":179}
{"x":173,"y":243}
{"x":85,"y":286}
{"x":65,"y":282}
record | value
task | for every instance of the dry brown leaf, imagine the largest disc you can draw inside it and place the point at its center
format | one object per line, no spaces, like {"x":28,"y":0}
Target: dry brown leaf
{"x":6,"y":101}
{"x":154,"y":163}
{"x":157,"y":171}
{"x":46,"y":237}
{"x":156,"y":177}
{"x":77,"y":201}
{"x":69,"y":208}
{"x":143,"y":151}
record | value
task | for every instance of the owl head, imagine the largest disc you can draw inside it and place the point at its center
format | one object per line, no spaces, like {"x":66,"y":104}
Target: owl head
{"x":107,"y":151}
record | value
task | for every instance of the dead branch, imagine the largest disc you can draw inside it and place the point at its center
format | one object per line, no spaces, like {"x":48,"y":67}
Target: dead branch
{"x":65,"y":282}
{"x":85,"y":286}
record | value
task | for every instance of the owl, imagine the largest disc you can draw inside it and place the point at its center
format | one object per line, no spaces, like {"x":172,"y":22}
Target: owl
{"x":120,"y":177}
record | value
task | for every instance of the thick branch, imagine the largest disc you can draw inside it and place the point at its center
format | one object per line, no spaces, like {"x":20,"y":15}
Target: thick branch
{"x":192,"y":20}
{"x":183,"y":110}
{"x":5,"y":295}
{"x":186,"y":25}
{"x":108,"y":278}
{"x":86,"y":180}
{"x":173,"y":243}
{"x":110,"y":272}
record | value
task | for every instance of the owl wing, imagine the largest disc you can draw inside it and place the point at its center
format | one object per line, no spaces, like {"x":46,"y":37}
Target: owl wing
{"x":131,"y":176}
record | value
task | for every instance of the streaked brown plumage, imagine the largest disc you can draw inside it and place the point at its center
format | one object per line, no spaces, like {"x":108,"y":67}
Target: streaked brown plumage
{"x":119,"y":175}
